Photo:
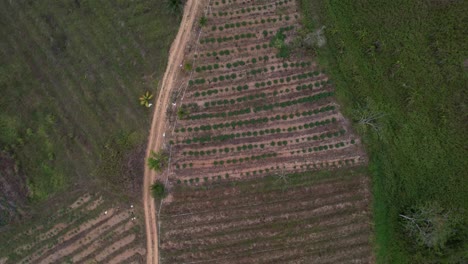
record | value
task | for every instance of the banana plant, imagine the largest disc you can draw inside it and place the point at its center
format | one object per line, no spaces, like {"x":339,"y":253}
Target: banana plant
{"x":145,"y":99}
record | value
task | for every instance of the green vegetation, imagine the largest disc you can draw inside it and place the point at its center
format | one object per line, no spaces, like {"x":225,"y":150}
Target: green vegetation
{"x":399,"y":72}
{"x":70,"y":76}
{"x":158,"y":161}
{"x":203,"y":21}
{"x":183,"y":112}
{"x":158,"y":190}
{"x":145,"y":99}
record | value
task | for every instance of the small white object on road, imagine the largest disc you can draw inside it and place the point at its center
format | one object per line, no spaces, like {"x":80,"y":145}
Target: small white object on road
{"x":105,"y":212}
{"x":164,"y":134}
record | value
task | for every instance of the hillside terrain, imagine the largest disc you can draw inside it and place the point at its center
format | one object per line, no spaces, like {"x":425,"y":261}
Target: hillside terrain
{"x":262,"y":167}
{"x":72,"y":130}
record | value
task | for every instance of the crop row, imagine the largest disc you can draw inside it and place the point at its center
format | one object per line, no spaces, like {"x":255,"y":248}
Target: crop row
{"x":320,"y":148}
{"x":311,"y":86}
{"x":239,"y":88}
{"x":302,"y":100}
{"x":239,"y":63}
{"x":249,"y":23}
{"x":224,"y":52}
{"x":287,"y":79}
{"x":230,"y":38}
{"x":246,"y":159}
{"x":220,"y":78}
{"x":252,"y":121}
{"x":250,"y":9}
{"x":246,"y":147}
{"x":261,"y":132}
{"x":221,"y":114}
{"x":233,"y":101}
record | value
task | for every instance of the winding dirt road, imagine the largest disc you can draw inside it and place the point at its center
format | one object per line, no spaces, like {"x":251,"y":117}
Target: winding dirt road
{"x":158,"y":125}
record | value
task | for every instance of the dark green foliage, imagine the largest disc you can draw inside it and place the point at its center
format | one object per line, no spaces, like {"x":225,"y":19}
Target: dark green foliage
{"x":158,"y":190}
{"x":158,"y":161}
{"x":175,"y":6}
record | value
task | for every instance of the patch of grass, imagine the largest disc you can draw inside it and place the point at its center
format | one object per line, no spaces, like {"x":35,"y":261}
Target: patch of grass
{"x":403,"y":61}
{"x":71,"y":74}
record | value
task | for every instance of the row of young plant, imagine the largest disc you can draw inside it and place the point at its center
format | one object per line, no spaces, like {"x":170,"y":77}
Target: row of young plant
{"x":260,"y":46}
{"x":245,"y":159}
{"x":287,"y":79}
{"x":261,"y":132}
{"x":319,"y":148}
{"x":233,"y":76}
{"x":247,"y":147}
{"x":239,"y":63}
{"x":210,"y":92}
{"x":224,"y":52}
{"x":246,"y":98}
{"x":228,"y":38}
{"x":226,"y":150}
{"x":307,"y":166}
{"x":250,"y":23}
{"x":241,"y":99}
{"x":220,"y":78}
{"x":303,"y":100}
{"x":250,"y":9}
{"x":270,"y":131}
{"x":310,"y":86}
{"x":221,"y":114}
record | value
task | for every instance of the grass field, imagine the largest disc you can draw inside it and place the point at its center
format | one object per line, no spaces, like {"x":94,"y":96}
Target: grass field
{"x":72,"y":127}
{"x":405,"y":62}
{"x":71,"y":73}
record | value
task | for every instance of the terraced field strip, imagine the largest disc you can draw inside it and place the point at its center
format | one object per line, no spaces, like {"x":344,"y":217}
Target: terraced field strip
{"x":250,"y":112}
{"x":90,"y":228}
{"x":308,"y":218}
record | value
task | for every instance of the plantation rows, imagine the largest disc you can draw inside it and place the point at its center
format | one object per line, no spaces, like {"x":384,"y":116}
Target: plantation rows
{"x":89,"y":229}
{"x":249,"y":111}
{"x":305,"y":218}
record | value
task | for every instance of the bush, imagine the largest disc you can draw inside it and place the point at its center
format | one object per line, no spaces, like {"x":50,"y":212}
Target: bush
{"x":203,"y":21}
{"x":158,"y":161}
{"x":158,"y":190}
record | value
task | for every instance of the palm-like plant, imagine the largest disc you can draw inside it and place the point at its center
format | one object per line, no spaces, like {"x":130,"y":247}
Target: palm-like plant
{"x":158,"y":161}
{"x":175,"y":6}
{"x":145,"y":99}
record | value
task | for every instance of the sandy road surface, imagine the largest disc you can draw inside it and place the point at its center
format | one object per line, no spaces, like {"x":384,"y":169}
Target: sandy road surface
{"x":158,"y":125}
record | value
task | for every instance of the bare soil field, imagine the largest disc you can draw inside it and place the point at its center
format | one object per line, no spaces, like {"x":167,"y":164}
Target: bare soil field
{"x":318,"y":217}
{"x":90,"y":230}
{"x":263,"y":167}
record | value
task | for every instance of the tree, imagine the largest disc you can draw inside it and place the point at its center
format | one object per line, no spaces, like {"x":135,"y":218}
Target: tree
{"x":158,"y":190}
{"x":145,"y":99}
{"x":175,"y":6}
{"x":430,"y":225}
{"x":203,"y":21}
{"x":278,"y":41}
{"x":183,"y":112}
{"x":188,"y":67}
{"x":158,"y":161}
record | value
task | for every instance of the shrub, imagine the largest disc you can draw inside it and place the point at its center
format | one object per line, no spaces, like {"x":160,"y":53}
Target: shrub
{"x":203,"y":21}
{"x":158,"y":161}
{"x":158,"y":190}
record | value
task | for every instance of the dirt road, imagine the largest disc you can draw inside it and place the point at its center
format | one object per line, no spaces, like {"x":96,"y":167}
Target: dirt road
{"x":155,"y":140}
